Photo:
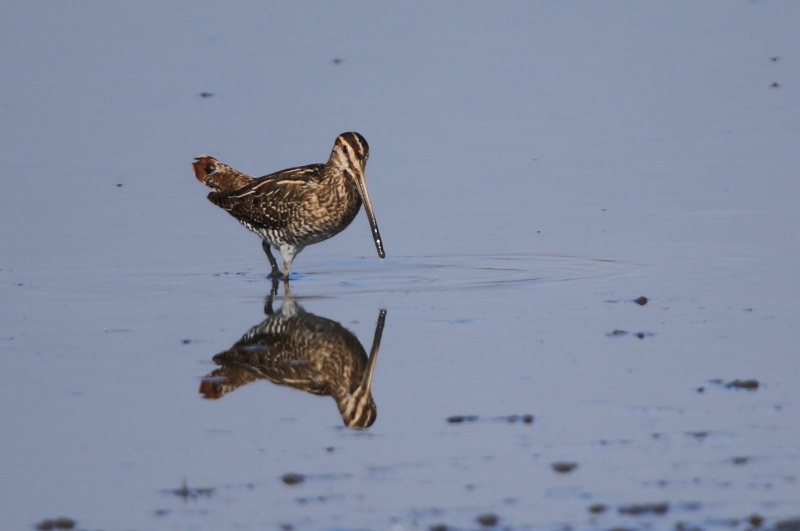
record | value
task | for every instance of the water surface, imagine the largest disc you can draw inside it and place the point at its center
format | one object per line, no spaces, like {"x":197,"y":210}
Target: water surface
{"x":534,"y":169}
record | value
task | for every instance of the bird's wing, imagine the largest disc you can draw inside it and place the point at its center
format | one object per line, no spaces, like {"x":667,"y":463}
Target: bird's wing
{"x":264,"y":202}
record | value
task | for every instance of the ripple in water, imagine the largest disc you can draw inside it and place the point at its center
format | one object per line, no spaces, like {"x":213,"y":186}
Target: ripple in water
{"x":456,"y":272}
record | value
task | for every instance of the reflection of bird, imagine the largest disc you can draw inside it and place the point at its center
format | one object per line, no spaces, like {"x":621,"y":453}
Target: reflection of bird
{"x":296,"y":207}
{"x":301,"y":350}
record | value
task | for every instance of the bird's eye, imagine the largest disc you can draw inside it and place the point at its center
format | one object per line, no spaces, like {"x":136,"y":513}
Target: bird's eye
{"x":346,"y":149}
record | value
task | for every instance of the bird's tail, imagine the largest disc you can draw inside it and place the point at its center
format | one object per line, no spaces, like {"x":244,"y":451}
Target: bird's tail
{"x":219,"y":176}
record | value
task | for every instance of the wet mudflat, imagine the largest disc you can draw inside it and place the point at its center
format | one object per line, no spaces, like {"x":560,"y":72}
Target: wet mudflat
{"x":590,"y":291}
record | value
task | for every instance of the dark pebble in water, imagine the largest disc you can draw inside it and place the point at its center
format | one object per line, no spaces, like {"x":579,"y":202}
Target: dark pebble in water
{"x":563,"y":467}
{"x":330,"y":449}
{"x":455,"y":419}
{"x":527,"y":419}
{"x":186,"y":341}
{"x":641,"y":301}
{"x":740,"y":460}
{"x":287,"y":527}
{"x":597,"y":508}
{"x":750,"y":385}
{"x":206,"y":94}
{"x":774,"y":58}
{"x":488,"y":520}
{"x":161,"y":512}
{"x":61,"y":522}
{"x":337,"y":61}
{"x":775,"y":85}
{"x":756,"y":520}
{"x":701,"y":389}
{"x":617,"y":333}
{"x":119,"y":185}
{"x":788,"y":525}
{"x":644,"y":508}
{"x":293,"y":479}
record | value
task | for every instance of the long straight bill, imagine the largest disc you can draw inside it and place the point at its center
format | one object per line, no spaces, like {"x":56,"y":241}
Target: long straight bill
{"x":373,"y":223}
{"x":366,"y":380}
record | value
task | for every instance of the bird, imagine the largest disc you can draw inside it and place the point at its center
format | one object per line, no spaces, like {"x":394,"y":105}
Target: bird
{"x":299,"y":349}
{"x":295,"y":207}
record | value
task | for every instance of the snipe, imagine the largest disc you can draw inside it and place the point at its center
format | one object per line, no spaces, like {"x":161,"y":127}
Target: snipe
{"x":296,"y":207}
{"x":299,"y":349}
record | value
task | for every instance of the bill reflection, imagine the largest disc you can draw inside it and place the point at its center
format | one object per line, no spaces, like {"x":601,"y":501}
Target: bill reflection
{"x":299,"y":349}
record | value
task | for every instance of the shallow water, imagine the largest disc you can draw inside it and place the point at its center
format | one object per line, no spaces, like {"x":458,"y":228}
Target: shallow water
{"x":534,"y":169}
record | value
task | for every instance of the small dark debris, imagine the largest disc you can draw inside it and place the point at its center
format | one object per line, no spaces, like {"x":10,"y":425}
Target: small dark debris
{"x":641,"y":301}
{"x":563,"y":467}
{"x":293,"y":479}
{"x":162,"y":512}
{"x":792,"y":524}
{"x":330,"y":449}
{"x":701,"y":389}
{"x":185,"y":492}
{"x":644,"y":508}
{"x":206,"y":94}
{"x":597,"y":508}
{"x":337,"y":61}
{"x":438,"y":527}
{"x":740,"y":460}
{"x":455,"y":419}
{"x":698,"y":434}
{"x":621,"y":333}
{"x":287,"y":527}
{"x":312,"y":499}
{"x":775,"y":58}
{"x":680,"y":526}
{"x":186,"y":341}
{"x":527,"y":419}
{"x":750,"y":385}
{"x":756,"y":520}
{"x":119,"y":185}
{"x":488,"y":520}
{"x":775,"y":85}
{"x":62,"y":522}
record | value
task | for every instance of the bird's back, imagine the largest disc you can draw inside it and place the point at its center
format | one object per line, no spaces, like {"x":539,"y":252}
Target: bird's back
{"x":291,"y":206}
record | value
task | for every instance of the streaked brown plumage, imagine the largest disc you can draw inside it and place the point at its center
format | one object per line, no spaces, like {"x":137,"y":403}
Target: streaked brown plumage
{"x":296,"y":207}
{"x":298,"y":349}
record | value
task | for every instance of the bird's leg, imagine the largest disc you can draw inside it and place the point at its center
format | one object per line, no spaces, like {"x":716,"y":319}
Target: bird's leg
{"x":288,"y":252}
{"x":274,"y":263}
{"x":287,"y":291}
{"x":272,"y":293}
